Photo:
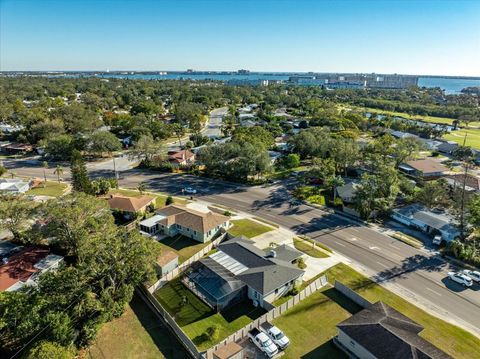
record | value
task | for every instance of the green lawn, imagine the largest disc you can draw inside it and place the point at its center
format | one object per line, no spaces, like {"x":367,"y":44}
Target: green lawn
{"x":248,"y":228}
{"x":405,"y":238}
{"x":53,"y":189}
{"x":160,"y":198}
{"x":312,"y":338}
{"x":195,"y":317}
{"x":136,"y":334}
{"x":183,"y":246}
{"x":307,"y":248}
{"x":473,"y":137}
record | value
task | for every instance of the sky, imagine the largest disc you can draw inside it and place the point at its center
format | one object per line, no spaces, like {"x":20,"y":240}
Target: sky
{"x":411,"y":37}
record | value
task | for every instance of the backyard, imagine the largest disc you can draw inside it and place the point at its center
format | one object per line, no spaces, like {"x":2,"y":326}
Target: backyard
{"x":248,"y":228}
{"x":195,"y":317}
{"x":52,"y":189}
{"x":136,"y":334}
{"x":183,"y":246}
{"x":313,"y":338}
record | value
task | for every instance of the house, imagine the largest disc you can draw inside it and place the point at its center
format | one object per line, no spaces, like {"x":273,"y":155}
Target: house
{"x":348,"y":190}
{"x":21,"y":266}
{"x":166,"y":262}
{"x":428,"y":221}
{"x":17,"y":148}
{"x":230,"y":351}
{"x":472,"y":182}
{"x":274,"y":156}
{"x":130,"y":205}
{"x":381,"y":332}
{"x":181,"y":158}
{"x":402,"y":135}
{"x":447,"y":147}
{"x":426,"y":169}
{"x":247,"y":123}
{"x":239,"y":271}
{"x":199,"y":224}
{"x":14,"y":186}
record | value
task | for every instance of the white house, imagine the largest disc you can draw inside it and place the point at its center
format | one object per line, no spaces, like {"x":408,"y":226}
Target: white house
{"x":14,"y":186}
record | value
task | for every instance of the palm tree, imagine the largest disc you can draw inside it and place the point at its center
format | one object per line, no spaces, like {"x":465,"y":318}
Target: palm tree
{"x":141,"y":188}
{"x":45,"y":166}
{"x":58,"y":171}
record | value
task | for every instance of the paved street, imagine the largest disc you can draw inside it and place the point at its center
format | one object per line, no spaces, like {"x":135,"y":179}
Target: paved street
{"x":418,"y":275}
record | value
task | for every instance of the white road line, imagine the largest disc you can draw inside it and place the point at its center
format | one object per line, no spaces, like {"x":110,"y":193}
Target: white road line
{"x":382,"y":264}
{"x":352,"y":239}
{"x":340,"y":244}
{"x":431,"y":290}
{"x":373,"y":248}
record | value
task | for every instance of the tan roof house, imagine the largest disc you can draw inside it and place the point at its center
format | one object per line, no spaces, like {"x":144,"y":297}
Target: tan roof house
{"x":130,"y":205}
{"x":181,"y":158}
{"x":425,"y":168}
{"x":179,"y":219}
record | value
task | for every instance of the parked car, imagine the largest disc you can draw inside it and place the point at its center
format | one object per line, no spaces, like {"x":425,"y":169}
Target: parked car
{"x":263,"y":342}
{"x":460,"y":278}
{"x":473,"y":274}
{"x":437,"y":240}
{"x":277,"y":336}
{"x":190,"y":190}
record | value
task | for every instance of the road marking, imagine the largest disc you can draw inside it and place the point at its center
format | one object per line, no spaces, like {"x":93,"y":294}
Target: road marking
{"x":373,"y":248}
{"x":431,"y":290}
{"x":353,"y":239}
{"x":340,"y":244}
{"x":382,"y":264}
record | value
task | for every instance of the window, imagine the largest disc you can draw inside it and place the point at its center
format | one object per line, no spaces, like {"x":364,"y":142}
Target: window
{"x":188,"y":229}
{"x":195,"y":232}
{"x":276,"y":291}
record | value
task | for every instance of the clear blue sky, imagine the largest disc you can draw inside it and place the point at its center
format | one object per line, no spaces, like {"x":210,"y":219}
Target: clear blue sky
{"x":415,"y":37}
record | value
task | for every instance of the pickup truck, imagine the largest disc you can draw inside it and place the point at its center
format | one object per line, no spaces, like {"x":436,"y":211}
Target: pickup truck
{"x":277,"y":336}
{"x":263,"y":342}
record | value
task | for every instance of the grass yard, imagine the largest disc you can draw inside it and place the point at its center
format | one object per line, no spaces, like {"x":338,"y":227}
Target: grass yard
{"x":136,"y":334}
{"x":405,"y":238}
{"x":52,"y":189}
{"x":307,"y":248}
{"x":312,"y":338}
{"x":184,"y":247}
{"x":248,"y":228}
{"x":473,"y":137}
{"x":195,"y":317}
{"x":159,"y":201}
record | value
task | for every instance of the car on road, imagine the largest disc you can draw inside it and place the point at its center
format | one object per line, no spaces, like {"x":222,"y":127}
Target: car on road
{"x":263,"y":342}
{"x":473,"y":274}
{"x":190,"y":190}
{"x":460,"y":278}
{"x":277,"y":336}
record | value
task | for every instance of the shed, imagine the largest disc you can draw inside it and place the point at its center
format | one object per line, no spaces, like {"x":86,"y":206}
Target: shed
{"x":166,"y":262}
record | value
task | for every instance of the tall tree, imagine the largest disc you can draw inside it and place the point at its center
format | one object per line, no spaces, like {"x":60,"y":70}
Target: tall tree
{"x":80,"y":180}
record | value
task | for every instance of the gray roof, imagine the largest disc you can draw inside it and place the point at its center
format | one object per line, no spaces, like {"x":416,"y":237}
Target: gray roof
{"x":387,"y":333}
{"x":263,"y":273}
{"x":440,"y":221}
{"x":348,"y":190}
{"x":287,"y":253}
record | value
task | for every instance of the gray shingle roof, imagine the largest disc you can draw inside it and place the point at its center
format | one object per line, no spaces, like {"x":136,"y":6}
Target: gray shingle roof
{"x":264,"y":274}
{"x":388,"y":334}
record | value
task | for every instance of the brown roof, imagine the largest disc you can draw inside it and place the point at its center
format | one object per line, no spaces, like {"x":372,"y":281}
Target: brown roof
{"x":20,"y":266}
{"x":470,"y":180}
{"x":427,"y":166}
{"x":129,"y":204}
{"x":166,"y":257}
{"x":180,"y":156}
{"x":186,"y":217}
{"x":227,"y":351}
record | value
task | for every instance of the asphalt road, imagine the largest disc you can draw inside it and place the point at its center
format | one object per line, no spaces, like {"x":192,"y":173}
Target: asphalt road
{"x":419,"y":274}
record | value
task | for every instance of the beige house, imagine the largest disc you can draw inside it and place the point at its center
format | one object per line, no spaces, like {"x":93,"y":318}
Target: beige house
{"x":130,"y":205}
{"x":174,"y":219}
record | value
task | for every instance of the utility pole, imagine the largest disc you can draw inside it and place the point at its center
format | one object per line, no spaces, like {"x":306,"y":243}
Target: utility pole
{"x":466,"y":160}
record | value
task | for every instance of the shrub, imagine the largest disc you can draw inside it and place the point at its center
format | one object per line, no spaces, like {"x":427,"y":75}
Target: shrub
{"x":295,"y":290}
{"x":3,"y":170}
{"x":301,"y":263}
{"x":213,"y":333}
{"x":317,"y":199}
{"x":169,"y":200}
{"x":338,"y":202}
{"x":227,"y":213}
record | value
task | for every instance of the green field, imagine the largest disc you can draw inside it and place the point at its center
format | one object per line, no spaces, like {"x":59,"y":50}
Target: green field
{"x":184,"y":247}
{"x":248,"y":228}
{"x":52,"y":189}
{"x":473,"y":137}
{"x":137,"y":334}
{"x":312,"y":338}
{"x":195,"y":317}
{"x":307,"y":248}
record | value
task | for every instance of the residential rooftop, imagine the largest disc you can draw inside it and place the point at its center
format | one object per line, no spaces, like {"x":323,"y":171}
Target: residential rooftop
{"x":129,"y":204}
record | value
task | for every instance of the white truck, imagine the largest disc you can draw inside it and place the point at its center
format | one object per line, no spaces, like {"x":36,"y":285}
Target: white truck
{"x":263,"y":342}
{"x":276,"y":335}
